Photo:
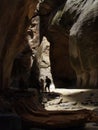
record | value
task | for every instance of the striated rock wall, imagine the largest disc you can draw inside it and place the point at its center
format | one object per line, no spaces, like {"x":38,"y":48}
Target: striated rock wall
{"x":83,"y":40}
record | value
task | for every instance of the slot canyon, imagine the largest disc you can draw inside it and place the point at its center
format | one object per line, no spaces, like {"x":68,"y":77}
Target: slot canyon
{"x":54,"y":40}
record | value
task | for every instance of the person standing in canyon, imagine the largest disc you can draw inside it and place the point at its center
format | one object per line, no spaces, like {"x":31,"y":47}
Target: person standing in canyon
{"x":48,"y":82}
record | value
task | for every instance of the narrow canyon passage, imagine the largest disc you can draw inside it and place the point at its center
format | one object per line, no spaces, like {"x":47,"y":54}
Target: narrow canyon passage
{"x":48,"y":64}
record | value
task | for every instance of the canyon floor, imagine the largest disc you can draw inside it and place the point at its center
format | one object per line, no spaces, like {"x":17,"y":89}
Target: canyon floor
{"x":72,"y":99}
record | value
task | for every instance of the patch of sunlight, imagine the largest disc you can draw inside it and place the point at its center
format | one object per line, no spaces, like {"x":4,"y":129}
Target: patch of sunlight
{"x":70,"y":91}
{"x":52,"y":87}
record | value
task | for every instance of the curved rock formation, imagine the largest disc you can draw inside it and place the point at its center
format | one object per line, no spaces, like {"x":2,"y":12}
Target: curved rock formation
{"x":83,"y":38}
{"x":73,"y":26}
{"x":70,"y":25}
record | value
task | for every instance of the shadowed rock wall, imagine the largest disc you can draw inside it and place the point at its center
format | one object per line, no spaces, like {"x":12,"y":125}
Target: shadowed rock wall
{"x":14,"y":19}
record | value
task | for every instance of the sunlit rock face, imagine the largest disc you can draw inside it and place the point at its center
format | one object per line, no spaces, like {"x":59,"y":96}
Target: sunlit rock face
{"x":33,"y":39}
{"x":71,"y":27}
{"x":14,"y":19}
{"x":83,"y":45}
{"x":43,"y":59}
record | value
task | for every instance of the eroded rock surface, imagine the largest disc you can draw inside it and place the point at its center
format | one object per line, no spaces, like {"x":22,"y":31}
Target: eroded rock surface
{"x":72,"y":26}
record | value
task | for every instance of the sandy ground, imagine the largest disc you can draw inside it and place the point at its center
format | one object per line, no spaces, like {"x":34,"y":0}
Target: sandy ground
{"x":72,"y":99}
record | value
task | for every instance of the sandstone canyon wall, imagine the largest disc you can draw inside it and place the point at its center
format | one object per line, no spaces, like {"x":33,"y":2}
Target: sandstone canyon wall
{"x":14,"y":21}
{"x":72,"y":31}
{"x":70,"y":27}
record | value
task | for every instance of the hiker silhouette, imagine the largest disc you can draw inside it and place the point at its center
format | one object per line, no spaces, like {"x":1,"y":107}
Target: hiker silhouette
{"x":48,"y":82}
